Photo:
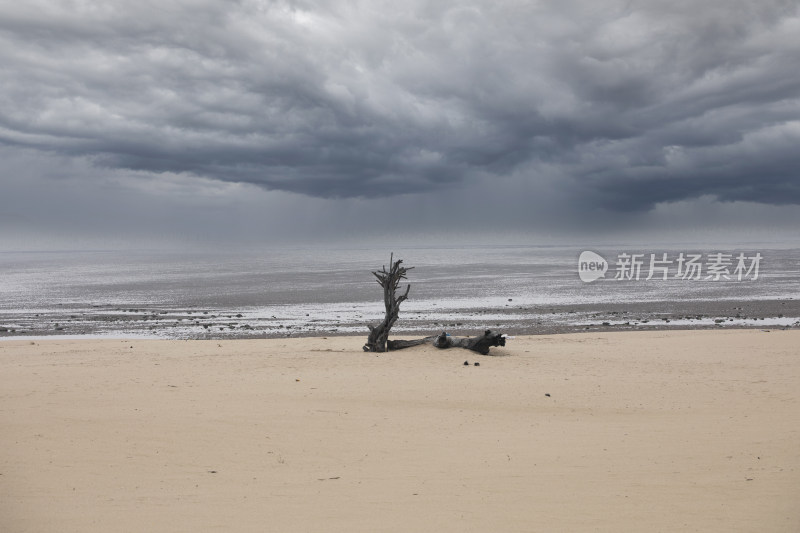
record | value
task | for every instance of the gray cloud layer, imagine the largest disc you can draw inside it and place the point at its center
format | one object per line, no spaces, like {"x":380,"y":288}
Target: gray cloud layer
{"x":622,"y":104}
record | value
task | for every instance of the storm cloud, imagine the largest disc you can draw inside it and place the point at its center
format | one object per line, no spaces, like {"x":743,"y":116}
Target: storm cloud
{"x":623,"y":105}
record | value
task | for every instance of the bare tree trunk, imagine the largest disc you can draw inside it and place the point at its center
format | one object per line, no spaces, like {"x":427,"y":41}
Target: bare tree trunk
{"x":390,"y":281}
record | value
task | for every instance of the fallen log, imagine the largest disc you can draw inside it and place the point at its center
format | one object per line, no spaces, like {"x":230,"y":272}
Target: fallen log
{"x":443,"y":341}
{"x":400,"y":344}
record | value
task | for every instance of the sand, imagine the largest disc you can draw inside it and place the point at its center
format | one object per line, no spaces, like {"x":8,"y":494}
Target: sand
{"x":637,"y":431}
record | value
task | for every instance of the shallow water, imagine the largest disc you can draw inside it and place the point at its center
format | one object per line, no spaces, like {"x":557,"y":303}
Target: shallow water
{"x":330,"y":290}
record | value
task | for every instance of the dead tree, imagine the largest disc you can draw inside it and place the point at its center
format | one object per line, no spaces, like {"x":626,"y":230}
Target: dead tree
{"x":390,"y":281}
{"x":379,"y":335}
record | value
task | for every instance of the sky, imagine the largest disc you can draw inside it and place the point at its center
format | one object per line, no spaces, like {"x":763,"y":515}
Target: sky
{"x":209,"y":122}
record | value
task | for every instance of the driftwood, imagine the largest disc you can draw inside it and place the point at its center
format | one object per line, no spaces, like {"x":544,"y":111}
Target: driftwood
{"x":476,"y":344}
{"x":378,"y":340}
{"x":390,"y":281}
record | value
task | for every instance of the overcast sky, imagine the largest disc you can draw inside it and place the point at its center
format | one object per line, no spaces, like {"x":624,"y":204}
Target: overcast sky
{"x":254,"y":121}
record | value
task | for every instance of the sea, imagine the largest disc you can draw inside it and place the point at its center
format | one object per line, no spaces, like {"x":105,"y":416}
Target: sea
{"x":330,"y":290}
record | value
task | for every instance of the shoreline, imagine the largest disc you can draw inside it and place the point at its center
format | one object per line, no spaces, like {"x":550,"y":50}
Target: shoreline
{"x":599,"y":431}
{"x":402,"y":334}
{"x":511,"y":318}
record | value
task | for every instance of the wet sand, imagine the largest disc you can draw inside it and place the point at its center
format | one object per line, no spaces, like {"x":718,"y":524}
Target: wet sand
{"x":600,"y":431}
{"x":511,"y":317}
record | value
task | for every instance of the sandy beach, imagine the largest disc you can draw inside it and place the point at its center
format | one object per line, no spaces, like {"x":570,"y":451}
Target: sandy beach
{"x":611,"y":431}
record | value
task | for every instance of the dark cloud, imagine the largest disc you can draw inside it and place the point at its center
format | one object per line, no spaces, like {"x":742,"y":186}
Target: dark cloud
{"x":621,"y":105}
